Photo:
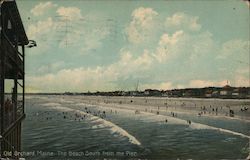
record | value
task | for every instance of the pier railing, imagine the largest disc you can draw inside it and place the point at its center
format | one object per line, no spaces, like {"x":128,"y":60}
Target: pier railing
{"x":11,"y":114}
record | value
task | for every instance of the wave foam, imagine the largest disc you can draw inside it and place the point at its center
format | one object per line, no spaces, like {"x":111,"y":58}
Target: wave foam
{"x":203,"y":126}
{"x":173,"y":120}
{"x":51,"y":104}
{"x":195,"y":125}
{"x":104,"y":123}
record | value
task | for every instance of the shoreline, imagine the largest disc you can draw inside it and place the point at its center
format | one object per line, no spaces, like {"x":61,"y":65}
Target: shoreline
{"x":193,"y":112}
{"x":181,"y":106}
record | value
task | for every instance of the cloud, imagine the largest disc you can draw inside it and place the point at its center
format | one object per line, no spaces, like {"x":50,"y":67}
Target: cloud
{"x":41,"y":8}
{"x":159,"y":86}
{"x":128,"y":64}
{"x":141,"y":26}
{"x":145,"y":60}
{"x":241,"y":81}
{"x":51,"y":67}
{"x":64,"y":32}
{"x":40,"y":28}
{"x":236,"y":47}
{"x":143,"y":16}
{"x":93,"y":39}
{"x":69,"y":13}
{"x":242,"y":77}
{"x":162,"y":53}
{"x":67,"y":24}
{"x":184,"y":46}
{"x":166,"y":46}
{"x":96,"y":78}
{"x":89,"y":36}
{"x":41,"y":32}
{"x":206,"y":83}
{"x":30,"y":89}
{"x":242,"y":71}
{"x":168,"y":40}
{"x":238,"y":80}
{"x":78,"y":79}
{"x":182,"y":21}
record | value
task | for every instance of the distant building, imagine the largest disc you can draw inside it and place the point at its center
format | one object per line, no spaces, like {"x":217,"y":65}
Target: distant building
{"x":152,"y":92}
{"x":209,"y":94}
{"x":164,"y":94}
{"x":236,"y":93}
{"x":215,"y":94}
{"x":243,"y":92}
{"x":226,"y":92}
{"x":188,"y":93}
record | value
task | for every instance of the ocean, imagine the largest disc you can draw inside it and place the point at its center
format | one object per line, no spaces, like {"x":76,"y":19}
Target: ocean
{"x":74,"y":127}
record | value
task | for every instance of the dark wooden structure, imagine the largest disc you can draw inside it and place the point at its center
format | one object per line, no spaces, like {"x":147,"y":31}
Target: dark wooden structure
{"x":12,"y":59}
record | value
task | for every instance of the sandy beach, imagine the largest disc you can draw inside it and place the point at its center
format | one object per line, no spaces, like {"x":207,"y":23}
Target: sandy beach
{"x":216,"y":108}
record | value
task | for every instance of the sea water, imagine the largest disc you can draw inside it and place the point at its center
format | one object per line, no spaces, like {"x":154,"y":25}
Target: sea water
{"x":66,"y":127}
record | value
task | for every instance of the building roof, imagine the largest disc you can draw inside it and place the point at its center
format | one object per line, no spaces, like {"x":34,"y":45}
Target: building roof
{"x":10,"y":5}
{"x":12,"y":62}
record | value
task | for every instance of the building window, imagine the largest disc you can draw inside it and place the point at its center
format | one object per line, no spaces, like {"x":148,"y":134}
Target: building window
{"x":9,"y":26}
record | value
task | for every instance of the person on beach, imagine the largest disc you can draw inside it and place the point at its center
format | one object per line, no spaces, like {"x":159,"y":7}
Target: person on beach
{"x":231,"y":113}
{"x":137,"y":112}
{"x":189,"y":122}
{"x":103,"y":114}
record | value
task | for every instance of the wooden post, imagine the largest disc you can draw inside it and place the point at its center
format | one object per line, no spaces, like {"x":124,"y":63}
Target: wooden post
{"x":23,"y":52}
{"x":15,"y":78}
{"x":2,"y":77}
{"x":1,"y":74}
{"x":2,"y":59}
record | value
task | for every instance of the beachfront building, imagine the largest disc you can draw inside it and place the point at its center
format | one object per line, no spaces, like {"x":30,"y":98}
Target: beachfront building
{"x":241,"y":92}
{"x":236,"y":92}
{"x":226,"y":92}
{"x":152,"y":92}
{"x":208,"y":93}
{"x":12,"y":59}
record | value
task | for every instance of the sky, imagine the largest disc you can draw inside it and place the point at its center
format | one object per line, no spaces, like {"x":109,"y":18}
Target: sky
{"x":115,"y":45}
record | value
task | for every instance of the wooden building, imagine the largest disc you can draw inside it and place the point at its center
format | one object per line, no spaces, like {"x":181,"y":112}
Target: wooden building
{"x":12,"y":59}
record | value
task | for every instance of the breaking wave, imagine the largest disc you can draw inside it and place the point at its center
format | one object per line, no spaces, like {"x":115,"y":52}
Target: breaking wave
{"x":51,"y":104}
{"x":203,"y":126}
{"x":173,"y":120}
{"x":104,"y":123}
